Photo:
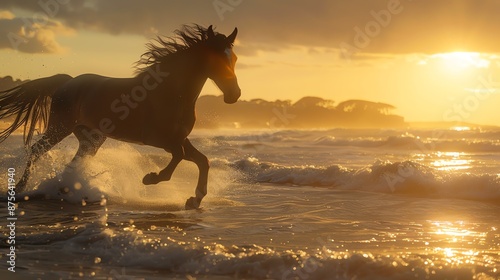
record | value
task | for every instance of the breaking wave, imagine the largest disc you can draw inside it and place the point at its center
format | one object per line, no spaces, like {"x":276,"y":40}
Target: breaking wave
{"x":405,"y":177}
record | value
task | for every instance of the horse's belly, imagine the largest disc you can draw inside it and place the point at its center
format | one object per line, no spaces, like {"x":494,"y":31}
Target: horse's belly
{"x":144,"y":133}
{"x":145,"y":123}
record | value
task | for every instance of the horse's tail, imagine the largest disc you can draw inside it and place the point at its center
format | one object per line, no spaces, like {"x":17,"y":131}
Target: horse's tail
{"x":29,"y":105}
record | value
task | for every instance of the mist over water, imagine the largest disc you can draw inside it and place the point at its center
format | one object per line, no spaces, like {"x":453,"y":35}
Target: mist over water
{"x":291,"y":204}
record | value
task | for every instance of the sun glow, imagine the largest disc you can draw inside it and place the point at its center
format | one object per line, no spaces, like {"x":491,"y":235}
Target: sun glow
{"x":460,"y":128}
{"x":462,"y":60}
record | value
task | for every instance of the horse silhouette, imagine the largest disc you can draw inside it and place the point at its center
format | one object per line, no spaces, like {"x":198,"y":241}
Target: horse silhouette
{"x":156,"y":107}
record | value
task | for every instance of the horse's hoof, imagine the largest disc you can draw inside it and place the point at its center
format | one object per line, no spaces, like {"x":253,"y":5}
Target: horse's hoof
{"x":150,"y":179}
{"x":192,"y":203}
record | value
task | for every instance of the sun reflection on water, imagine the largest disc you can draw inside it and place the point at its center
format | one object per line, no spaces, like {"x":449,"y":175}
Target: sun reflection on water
{"x":461,"y":242}
{"x":458,"y":231}
{"x":452,"y":161}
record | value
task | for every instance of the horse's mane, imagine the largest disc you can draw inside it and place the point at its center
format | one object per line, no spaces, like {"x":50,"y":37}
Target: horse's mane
{"x":160,"y":49}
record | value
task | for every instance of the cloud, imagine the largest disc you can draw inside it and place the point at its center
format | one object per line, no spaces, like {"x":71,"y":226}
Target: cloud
{"x":248,"y":66}
{"x":30,"y":35}
{"x":6,"y":15}
{"x":423,"y":26}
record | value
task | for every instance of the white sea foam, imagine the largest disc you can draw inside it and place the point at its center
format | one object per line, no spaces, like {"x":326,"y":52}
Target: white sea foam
{"x":406,"y":177}
{"x":115,"y":174}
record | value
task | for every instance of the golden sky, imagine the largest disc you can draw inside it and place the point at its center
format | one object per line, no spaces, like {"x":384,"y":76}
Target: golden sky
{"x":433,"y":60}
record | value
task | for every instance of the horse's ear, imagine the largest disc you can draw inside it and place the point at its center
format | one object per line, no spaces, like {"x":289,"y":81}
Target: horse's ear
{"x":210,"y":32}
{"x":230,"y":38}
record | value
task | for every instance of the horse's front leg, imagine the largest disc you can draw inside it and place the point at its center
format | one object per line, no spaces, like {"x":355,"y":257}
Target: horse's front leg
{"x":192,"y":154}
{"x":165,"y":174}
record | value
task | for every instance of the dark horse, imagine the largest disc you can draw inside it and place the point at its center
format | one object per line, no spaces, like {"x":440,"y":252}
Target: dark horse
{"x":156,"y":107}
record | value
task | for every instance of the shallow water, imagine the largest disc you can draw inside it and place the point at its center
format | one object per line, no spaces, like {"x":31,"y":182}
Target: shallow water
{"x":335,"y":204}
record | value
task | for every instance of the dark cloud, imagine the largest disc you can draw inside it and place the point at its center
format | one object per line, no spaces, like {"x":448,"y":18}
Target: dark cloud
{"x":419,"y":26}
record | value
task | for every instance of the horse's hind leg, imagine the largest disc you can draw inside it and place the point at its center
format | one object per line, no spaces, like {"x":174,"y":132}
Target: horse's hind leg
{"x":192,"y":154}
{"x":50,"y":138}
{"x":89,"y":141}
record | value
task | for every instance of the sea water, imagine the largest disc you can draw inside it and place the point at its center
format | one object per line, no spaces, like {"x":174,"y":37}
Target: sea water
{"x":287,"y":204}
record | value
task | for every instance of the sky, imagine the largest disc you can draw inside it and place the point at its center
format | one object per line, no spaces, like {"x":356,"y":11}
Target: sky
{"x":433,"y":60}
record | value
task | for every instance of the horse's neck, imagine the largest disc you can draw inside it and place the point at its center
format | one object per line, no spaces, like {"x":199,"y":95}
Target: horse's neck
{"x":185,"y":76}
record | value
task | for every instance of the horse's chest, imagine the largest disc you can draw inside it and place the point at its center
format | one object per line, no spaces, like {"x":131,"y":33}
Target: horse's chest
{"x":175,"y":117}
{"x":171,"y":126}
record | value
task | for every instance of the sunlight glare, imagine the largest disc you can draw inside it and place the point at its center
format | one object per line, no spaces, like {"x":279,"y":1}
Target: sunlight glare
{"x":451,"y":236}
{"x":462,"y":60}
{"x":451,"y":161}
{"x":461,"y":128}
{"x":453,"y":231}
{"x":448,"y":252}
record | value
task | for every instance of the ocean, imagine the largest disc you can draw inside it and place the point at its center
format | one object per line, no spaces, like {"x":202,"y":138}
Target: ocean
{"x":282,"y":204}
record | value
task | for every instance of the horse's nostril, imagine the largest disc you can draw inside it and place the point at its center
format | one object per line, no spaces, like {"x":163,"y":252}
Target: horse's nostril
{"x":232,"y":97}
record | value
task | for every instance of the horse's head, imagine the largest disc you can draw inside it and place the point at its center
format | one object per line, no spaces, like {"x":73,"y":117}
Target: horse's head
{"x":221,"y":64}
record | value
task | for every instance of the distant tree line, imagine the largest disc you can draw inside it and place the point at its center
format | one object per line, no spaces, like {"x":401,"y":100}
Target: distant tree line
{"x":308,"y":112}
{"x":8,"y":82}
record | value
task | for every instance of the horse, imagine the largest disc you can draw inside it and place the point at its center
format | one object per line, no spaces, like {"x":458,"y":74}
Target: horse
{"x":156,"y":107}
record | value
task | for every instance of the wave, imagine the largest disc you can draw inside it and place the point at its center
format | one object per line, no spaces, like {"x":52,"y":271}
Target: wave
{"x":117,"y":170}
{"x":390,"y":139}
{"x":132,"y":251}
{"x":99,"y":182}
{"x":412,"y":143}
{"x":406,"y":177}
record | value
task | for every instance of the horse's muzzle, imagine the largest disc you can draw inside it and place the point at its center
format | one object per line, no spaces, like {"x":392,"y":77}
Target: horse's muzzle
{"x":232,"y":97}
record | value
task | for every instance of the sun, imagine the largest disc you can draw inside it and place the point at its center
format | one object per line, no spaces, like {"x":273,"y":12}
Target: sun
{"x":462,"y":60}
